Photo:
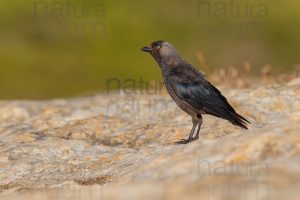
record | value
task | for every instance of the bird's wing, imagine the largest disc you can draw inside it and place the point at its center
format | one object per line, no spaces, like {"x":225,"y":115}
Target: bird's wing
{"x":192,"y":87}
{"x":203,"y":96}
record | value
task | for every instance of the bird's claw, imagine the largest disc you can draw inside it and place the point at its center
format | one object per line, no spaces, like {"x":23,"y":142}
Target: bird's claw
{"x":186,"y":141}
{"x":183,"y":141}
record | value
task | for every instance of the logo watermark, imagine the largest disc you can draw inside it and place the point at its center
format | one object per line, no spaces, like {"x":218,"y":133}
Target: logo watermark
{"x":142,"y":99}
{"x":130,"y":86}
{"x":78,"y":19}
{"x":248,"y":176}
{"x":232,"y":15}
{"x":232,"y":9}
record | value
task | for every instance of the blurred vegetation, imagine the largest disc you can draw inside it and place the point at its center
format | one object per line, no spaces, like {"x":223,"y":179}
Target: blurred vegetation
{"x":63,"y":48}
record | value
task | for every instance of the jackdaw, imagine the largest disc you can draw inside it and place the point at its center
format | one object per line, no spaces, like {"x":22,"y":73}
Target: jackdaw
{"x":190,"y":89}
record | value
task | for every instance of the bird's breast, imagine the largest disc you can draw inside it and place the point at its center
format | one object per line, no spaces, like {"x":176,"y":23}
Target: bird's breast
{"x":181,"y":103}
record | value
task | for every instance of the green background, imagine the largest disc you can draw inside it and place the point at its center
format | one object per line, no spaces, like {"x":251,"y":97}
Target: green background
{"x":49,"y":51}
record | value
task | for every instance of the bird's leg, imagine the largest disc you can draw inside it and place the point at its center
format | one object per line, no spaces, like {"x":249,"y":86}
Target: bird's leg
{"x":192,"y":132}
{"x":197,"y":120}
{"x":185,"y":141}
{"x":200,"y":121}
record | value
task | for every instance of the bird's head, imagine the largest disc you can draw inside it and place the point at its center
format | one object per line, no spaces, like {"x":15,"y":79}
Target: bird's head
{"x":162,"y":51}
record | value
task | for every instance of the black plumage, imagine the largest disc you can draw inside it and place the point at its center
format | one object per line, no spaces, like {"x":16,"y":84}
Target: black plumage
{"x":190,"y":89}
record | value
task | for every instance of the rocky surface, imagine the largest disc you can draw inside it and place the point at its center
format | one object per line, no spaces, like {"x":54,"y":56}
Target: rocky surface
{"x":122,"y":147}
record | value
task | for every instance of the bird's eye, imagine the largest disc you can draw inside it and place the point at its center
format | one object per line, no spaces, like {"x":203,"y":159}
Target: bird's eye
{"x":158,"y":47}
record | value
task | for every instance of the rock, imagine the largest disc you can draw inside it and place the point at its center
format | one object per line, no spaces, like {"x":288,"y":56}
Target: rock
{"x":294,"y":82}
{"x":13,"y":114}
{"x":122,"y":147}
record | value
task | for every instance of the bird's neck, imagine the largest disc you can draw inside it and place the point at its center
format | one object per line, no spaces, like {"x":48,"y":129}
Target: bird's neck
{"x":173,"y":60}
{"x":167,"y":67}
{"x":169,"y":62}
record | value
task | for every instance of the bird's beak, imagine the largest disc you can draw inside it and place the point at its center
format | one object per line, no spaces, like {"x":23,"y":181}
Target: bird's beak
{"x":146,"y":49}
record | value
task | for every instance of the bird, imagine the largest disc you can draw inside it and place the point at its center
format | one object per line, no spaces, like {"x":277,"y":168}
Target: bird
{"x":191,"y":90}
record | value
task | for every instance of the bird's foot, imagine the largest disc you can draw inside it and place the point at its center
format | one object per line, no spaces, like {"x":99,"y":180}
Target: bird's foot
{"x":183,"y":141}
{"x":186,"y":141}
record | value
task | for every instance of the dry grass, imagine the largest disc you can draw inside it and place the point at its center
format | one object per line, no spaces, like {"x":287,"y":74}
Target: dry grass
{"x":245,"y":77}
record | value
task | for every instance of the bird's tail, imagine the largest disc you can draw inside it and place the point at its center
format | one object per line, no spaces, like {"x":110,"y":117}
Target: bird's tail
{"x":238,"y":120}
